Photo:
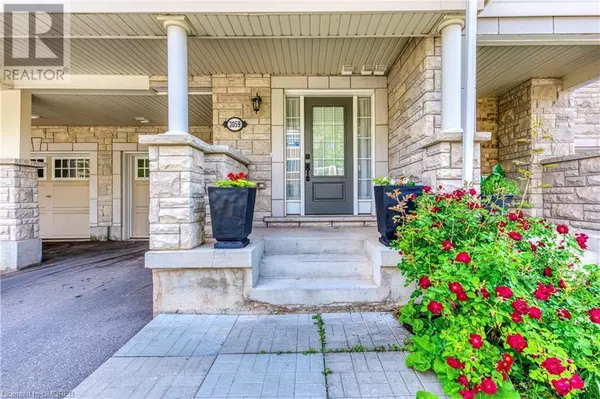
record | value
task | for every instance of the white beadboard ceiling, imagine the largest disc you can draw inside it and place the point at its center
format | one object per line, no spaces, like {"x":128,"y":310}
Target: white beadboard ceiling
{"x":101,"y":110}
{"x":501,"y":67}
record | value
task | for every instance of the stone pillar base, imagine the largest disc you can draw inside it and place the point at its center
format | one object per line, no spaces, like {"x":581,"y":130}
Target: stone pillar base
{"x":15,"y":255}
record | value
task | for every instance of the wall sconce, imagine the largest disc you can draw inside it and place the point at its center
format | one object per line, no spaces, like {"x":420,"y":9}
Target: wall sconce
{"x":256,"y":100}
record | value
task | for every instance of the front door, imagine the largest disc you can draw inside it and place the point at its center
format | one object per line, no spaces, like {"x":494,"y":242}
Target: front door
{"x":328,"y":155}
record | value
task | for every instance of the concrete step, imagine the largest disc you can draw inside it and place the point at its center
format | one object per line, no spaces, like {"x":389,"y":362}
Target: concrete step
{"x":317,"y":291}
{"x":316,"y":266}
{"x":315,"y":245}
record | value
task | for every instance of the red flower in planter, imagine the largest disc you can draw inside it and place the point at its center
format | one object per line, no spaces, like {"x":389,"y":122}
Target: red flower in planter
{"x":446,"y":245}
{"x":544,"y":292}
{"x":553,"y":366}
{"x":563,"y":314}
{"x":463,"y":257}
{"x":424,"y":282}
{"x":581,"y":240}
{"x":455,"y":363}
{"x":534,"y":313}
{"x":512,"y":217}
{"x":488,"y":386}
{"x":504,"y":292}
{"x":516,"y":317}
{"x":520,"y":306}
{"x":476,"y":341}
{"x":547,"y":271}
{"x":562,"y":229}
{"x":515,"y":236}
{"x":577,"y":382}
{"x":594,"y":315}
{"x":426,"y":189}
{"x":484,"y":293}
{"x":562,"y":386}
{"x":463,"y":380}
{"x":435,"y":307}
{"x":517,"y":342}
{"x":435,"y":209}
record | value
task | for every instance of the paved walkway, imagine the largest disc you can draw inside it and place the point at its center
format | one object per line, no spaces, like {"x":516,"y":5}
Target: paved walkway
{"x":274,"y":356}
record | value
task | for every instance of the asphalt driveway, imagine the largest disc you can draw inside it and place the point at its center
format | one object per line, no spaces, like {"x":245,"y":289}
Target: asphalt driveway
{"x":62,"y":319}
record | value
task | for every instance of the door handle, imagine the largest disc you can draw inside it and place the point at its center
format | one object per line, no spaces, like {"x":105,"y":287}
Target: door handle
{"x":48,"y":196}
{"x":307,"y":169}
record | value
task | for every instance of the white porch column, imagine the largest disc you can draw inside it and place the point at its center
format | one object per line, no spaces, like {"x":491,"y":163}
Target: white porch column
{"x":470,"y":93}
{"x":178,"y":30}
{"x":451,"y":74}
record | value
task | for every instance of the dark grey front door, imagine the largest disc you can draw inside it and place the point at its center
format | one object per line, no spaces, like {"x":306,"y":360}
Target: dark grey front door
{"x":328,"y":158}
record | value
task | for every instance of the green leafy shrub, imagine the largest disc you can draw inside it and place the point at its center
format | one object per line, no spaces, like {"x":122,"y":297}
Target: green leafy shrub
{"x":386,"y":181}
{"x":235,"y":181}
{"x":498,"y":184}
{"x":503,"y":307}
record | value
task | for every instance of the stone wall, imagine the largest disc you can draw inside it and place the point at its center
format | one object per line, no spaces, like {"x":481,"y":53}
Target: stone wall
{"x":20,"y":245}
{"x":232,"y":94}
{"x":586,"y":119}
{"x":533,"y":120}
{"x":487,"y":121}
{"x":62,"y":138}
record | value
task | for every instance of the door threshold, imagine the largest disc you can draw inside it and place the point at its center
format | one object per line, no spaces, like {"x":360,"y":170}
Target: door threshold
{"x":321,"y":220}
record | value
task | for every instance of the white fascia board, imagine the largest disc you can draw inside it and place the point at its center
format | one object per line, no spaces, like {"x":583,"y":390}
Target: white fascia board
{"x":582,"y":75}
{"x":538,"y":40}
{"x":88,"y":83}
{"x":263,"y":6}
{"x":540,"y":8}
{"x":538,"y":25}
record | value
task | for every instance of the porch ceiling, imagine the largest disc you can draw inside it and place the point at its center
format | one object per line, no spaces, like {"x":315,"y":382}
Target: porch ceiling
{"x":501,"y":67}
{"x":111,"y":110}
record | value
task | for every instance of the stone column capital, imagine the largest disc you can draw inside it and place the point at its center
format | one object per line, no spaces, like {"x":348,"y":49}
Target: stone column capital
{"x":451,"y":20}
{"x":176,"y":20}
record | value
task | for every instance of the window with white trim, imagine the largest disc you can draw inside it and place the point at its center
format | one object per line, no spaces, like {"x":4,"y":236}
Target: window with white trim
{"x":71,"y":168}
{"x":41,"y":172}
{"x":142,"y":168}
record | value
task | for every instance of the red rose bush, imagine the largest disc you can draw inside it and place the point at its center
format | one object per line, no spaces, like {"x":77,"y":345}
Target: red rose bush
{"x":503,"y":307}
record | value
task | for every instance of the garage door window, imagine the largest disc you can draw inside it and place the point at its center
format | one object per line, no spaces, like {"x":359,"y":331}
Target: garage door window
{"x":41,"y":172}
{"x":142,"y":168}
{"x":71,"y":168}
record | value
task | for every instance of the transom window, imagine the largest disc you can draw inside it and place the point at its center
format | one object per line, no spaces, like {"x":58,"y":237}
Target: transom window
{"x":142,"y":168}
{"x":71,"y":168}
{"x":41,"y":172}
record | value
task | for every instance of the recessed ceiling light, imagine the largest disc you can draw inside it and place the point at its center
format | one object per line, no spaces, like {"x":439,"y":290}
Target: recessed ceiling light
{"x":142,"y":119}
{"x":33,"y":116}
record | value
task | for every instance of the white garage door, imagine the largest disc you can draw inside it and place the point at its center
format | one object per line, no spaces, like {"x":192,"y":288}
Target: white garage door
{"x":64,"y":198}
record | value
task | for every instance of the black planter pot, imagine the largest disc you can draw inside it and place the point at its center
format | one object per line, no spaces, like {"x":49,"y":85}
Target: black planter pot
{"x":502,"y":202}
{"x":385,"y":217}
{"x":231,"y":213}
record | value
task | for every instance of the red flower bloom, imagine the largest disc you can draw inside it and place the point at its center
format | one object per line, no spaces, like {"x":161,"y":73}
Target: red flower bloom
{"x":512,"y":216}
{"x":435,"y":209}
{"x":520,"y":306}
{"x":468,"y":393}
{"x":547,"y":271}
{"x":476,"y":341}
{"x":446,"y":245}
{"x":461,"y":296}
{"x":463,"y":257}
{"x":581,"y":240}
{"x":521,"y":215}
{"x":504,"y":292}
{"x":553,"y":366}
{"x":455,"y":363}
{"x":426,"y":189}
{"x":534,"y":313}
{"x":562,"y":284}
{"x":505,"y":363}
{"x":576,"y":382}
{"x":484,"y":293}
{"x":463,"y":380}
{"x":563,"y":314}
{"x":517,"y":342}
{"x":488,"y":386}
{"x":562,"y":229}
{"x":435,"y":307}
{"x":424,"y":282}
{"x":455,"y":287}
{"x":562,"y":386}
{"x":544,"y":292}
{"x":515,"y":236}
{"x":594,"y":315}
{"x":533,"y":247}
{"x":516,"y":317}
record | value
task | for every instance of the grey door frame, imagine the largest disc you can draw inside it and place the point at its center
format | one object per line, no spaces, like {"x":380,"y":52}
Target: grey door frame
{"x":345,"y":206}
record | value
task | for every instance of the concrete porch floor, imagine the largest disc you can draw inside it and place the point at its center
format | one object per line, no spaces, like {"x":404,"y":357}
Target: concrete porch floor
{"x":262,"y":356}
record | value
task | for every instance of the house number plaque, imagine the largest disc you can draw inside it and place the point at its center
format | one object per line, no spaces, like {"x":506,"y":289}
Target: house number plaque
{"x":235,"y":124}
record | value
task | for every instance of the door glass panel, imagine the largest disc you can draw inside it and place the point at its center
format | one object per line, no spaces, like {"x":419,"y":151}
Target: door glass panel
{"x":292,"y":149}
{"x":328,"y":141}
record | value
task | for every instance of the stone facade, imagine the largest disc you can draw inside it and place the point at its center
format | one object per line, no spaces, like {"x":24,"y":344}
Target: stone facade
{"x":487,"y":121}
{"x":232,"y":94}
{"x":69,"y":138}
{"x":20,"y":245}
{"x":586,"y":119}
